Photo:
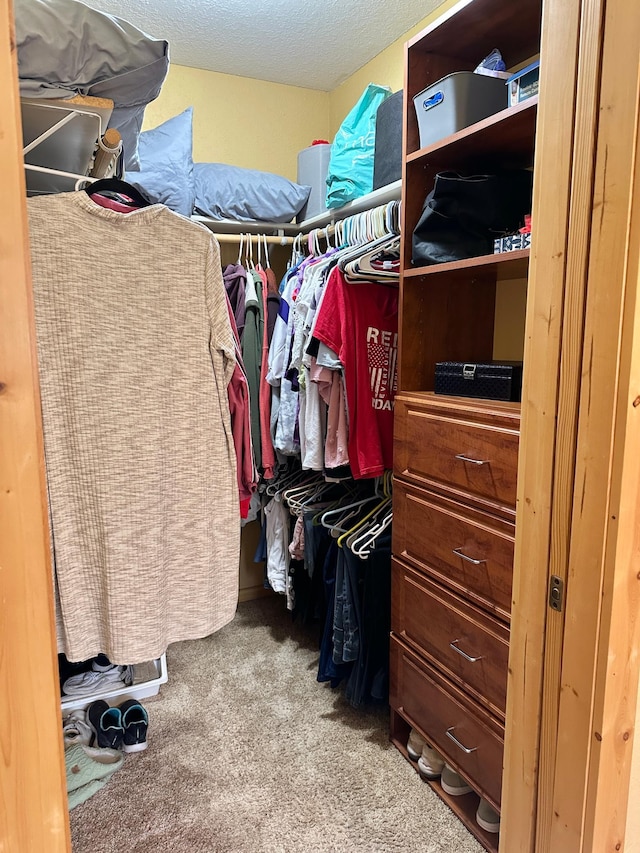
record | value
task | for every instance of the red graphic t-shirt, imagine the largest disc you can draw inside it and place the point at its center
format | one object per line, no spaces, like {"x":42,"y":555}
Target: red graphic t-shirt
{"x":359,"y":322}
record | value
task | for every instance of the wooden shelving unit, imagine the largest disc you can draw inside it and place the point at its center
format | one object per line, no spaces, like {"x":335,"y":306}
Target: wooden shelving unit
{"x":456,"y":458}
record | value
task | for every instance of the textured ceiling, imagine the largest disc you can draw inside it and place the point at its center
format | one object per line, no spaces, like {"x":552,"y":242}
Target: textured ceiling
{"x":315,"y":44}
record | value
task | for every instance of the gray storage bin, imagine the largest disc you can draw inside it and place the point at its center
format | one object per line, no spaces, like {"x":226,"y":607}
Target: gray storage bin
{"x":387,"y":158}
{"x":456,"y":101}
{"x":313,"y":166}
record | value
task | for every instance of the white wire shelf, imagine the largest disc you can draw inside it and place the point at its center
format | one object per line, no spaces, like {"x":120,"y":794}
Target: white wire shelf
{"x":383,"y":195}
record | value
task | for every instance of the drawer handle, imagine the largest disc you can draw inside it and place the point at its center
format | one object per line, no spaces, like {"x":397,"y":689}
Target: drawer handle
{"x":461,"y":746}
{"x":464,"y":458}
{"x":459,"y":552}
{"x":464,"y":654}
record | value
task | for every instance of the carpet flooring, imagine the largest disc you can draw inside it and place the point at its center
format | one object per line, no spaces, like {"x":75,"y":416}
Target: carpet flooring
{"x":248,"y":753}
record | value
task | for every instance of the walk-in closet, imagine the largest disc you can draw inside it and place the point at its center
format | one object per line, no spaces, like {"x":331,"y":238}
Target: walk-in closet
{"x":320,"y":427}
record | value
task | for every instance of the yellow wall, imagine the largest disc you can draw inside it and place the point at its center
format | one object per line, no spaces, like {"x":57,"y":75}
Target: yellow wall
{"x":261,"y":125}
{"x":511,"y":302}
{"x":243,"y":122}
{"x":386,"y":69}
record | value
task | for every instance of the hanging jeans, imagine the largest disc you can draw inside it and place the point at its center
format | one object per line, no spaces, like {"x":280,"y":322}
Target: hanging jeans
{"x":328,"y":670}
{"x":369,"y":679}
{"x":347,"y":616}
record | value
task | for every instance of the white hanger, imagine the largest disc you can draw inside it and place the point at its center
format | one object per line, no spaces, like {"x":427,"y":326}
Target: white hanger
{"x":362,"y":545}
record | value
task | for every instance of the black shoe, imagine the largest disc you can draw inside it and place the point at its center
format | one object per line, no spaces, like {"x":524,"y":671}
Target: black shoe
{"x":106,"y":724}
{"x":135,"y":722}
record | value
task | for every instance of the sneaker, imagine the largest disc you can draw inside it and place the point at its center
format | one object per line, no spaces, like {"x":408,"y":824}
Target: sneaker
{"x":97,"y":681}
{"x":101,"y":663}
{"x":75,"y":729}
{"x":452,"y":783}
{"x":415,"y":745}
{"x":106,"y":724}
{"x":487,"y":817}
{"x":135,"y":722}
{"x":430,"y":763}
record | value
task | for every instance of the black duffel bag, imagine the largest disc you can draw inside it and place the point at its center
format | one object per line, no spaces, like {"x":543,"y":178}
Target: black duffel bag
{"x":463,"y":215}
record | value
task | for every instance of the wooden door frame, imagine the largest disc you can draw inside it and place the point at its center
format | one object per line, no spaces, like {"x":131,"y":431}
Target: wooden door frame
{"x":573,"y":675}
{"x":33,"y":806}
{"x":590,"y":816}
{"x":599,"y":680}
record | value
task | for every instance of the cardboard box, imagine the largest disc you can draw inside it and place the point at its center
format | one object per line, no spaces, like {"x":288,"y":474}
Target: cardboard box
{"x":524,"y":83}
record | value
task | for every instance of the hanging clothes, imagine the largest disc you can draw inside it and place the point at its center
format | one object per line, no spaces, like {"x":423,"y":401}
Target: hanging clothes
{"x":135,"y":354}
{"x":284,"y":395}
{"x":269,"y":289}
{"x":240,"y":411}
{"x":360,"y":323}
{"x":235,"y":283}
{"x":252,"y":342}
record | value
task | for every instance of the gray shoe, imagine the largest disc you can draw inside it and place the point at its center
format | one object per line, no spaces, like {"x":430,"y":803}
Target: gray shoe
{"x":487,"y":817}
{"x":430,"y":763}
{"x":415,"y":744}
{"x":75,"y":729}
{"x":453,"y":783}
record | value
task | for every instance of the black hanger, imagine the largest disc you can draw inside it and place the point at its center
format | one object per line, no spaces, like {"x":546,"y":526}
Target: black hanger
{"x":116,"y":185}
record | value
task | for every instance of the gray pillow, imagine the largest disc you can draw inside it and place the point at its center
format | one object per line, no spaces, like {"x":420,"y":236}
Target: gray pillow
{"x":66,"y":48}
{"x":166,"y":164}
{"x":231,"y":192}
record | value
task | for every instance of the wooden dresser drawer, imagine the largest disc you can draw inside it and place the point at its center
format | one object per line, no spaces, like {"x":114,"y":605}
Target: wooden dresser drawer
{"x":471,"y":647}
{"x":469,"y":452}
{"x":468,"y":550}
{"x":469,"y":738}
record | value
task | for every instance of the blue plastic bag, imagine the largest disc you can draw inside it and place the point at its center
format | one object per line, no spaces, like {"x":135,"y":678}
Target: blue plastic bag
{"x":350,"y":173}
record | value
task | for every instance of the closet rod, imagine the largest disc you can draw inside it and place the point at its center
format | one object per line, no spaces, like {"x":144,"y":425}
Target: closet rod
{"x":258,"y":238}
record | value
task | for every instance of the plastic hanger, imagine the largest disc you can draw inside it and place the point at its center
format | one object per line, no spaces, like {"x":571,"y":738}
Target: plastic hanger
{"x":249,"y":260}
{"x":383,"y":487}
{"x":299,"y":497}
{"x":120,"y":187}
{"x":331,"y":518}
{"x":362,"y":545}
{"x":362,"y":521}
{"x":282,"y":480}
{"x":371,"y":524}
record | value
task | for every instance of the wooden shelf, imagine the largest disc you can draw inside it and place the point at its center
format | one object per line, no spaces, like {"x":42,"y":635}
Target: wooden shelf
{"x":469,"y":31}
{"x":461,"y":404}
{"x":508,"y":135}
{"x":505,"y":265}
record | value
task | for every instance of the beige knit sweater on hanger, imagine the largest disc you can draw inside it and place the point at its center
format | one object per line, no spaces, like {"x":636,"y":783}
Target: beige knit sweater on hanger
{"x":135,"y":352}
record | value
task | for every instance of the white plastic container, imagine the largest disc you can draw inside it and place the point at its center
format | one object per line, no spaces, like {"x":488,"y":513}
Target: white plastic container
{"x":140,"y":690}
{"x":313,"y":166}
